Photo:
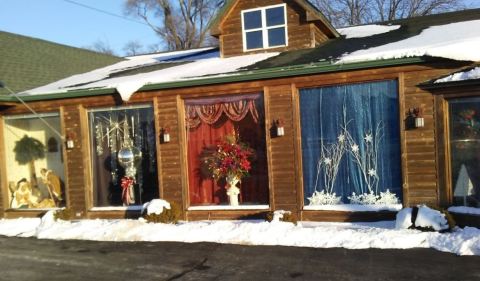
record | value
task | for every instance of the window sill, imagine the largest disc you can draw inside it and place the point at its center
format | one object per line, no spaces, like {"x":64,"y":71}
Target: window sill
{"x":464,"y":210}
{"x":228,"y":208}
{"x":354,"y":208}
{"x":120,"y":208}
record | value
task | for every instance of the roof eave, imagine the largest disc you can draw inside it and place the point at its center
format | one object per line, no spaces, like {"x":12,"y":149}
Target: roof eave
{"x":244,"y":76}
{"x":451,"y":84}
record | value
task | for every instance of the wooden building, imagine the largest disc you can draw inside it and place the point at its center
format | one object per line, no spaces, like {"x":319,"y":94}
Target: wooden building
{"x":342,"y":122}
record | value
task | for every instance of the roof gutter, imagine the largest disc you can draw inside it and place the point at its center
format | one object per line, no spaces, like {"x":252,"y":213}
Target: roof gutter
{"x":443,"y":85}
{"x":250,"y":75}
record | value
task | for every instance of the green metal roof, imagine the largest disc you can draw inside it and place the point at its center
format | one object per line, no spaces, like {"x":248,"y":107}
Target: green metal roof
{"x":28,"y":63}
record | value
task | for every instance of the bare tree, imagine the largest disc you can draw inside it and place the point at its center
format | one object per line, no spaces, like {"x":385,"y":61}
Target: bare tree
{"x":133,"y":48}
{"x":182,"y":24}
{"x":397,"y":9}
{"x":353,"y":12}
{"x":101,"y":46}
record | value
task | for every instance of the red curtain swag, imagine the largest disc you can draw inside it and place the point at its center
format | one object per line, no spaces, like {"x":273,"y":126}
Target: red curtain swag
{"x":234,"y":109}
{"x":202,"y":138}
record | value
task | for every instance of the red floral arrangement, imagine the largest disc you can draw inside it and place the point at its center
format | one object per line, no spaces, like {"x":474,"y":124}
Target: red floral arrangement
{"x":126,"y":184}
{"x":467,"y":114}
{"x":231,"y":159}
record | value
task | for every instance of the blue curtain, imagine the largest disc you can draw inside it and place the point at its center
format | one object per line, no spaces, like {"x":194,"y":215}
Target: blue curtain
{"x":356,"y":114}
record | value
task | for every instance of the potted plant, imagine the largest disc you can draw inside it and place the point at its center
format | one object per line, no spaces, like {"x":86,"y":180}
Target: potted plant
{"x":232,"y":161}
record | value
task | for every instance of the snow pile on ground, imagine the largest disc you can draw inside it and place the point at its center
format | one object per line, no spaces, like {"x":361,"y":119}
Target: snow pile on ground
{"x":461,"y":76}
{"x":404,"y":219}
{"x":278,"y":215}
{"x":366,"y":30}
{"x":426,"y":218}
{"x":155,"y":206}
{"x":464,"y":210}
{"x":304,"y":234}
{"x":457,"y":41}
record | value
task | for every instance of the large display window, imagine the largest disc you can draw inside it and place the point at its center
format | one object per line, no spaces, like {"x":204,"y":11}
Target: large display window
{"x":222,"y":129}
{"x":124,"y":162}
{"x":351,"y":144}
{"x":35,"y":168}
{"x":465,"y":151}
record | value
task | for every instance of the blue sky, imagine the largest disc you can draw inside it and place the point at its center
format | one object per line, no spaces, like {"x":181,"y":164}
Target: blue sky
{"x":63,"y":22}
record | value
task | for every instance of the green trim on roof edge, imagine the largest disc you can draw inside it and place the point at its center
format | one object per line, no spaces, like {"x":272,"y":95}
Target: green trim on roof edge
{"x":251,"y":75}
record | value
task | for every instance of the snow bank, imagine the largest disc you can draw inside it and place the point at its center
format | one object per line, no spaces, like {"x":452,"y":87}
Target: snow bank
{"x":155,"y":206}
{"x":427,"y":217}
{"x":404,"y":219}
{"x":461,"y":76}
{"x":309,"y":234}
{"x":366,"y":30}
{"x":457,"y":41}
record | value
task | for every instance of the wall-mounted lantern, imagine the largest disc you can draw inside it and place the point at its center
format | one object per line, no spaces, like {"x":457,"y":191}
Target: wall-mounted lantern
{"x":417,"y":114}
{"x":280,"y":125}
{"x":165,"y":135}
{"x":69,"y":140}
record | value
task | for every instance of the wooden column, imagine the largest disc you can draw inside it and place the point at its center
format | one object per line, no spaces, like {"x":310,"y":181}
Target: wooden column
{"x":282,"y":149}
{"x":170,"y":165}
{"x":77,"y":162}
{"x":3,"y":175}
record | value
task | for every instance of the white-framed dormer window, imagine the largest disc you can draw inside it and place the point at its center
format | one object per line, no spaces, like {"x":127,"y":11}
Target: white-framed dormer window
{"x":264,"y":27}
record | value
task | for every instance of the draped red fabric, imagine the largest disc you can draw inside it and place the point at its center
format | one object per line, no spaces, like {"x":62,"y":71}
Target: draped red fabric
{"x":211,"y":113}
{"x":202,"y":140}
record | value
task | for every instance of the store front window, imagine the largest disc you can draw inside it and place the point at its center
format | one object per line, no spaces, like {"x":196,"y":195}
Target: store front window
{"x":33,"y":153}
{"x":465,"y":151}
{"x":124,"y":159}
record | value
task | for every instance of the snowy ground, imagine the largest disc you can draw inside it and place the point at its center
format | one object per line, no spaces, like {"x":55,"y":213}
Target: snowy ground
{"x":306,"y":234}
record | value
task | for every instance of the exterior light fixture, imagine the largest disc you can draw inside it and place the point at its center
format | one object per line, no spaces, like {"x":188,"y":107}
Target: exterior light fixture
{"x":69,"y":141}
{"x":165,"y":135}
{"x":417,"y":114}
{"x":280,"y":125}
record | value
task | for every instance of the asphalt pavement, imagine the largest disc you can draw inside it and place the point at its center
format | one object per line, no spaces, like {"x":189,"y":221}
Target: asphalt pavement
{"x":32,"y":259}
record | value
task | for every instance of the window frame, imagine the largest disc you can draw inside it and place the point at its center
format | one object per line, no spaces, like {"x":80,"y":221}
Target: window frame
{"x":264,"y":28}
{"x":4,"y":173}
{"x":91,"y":152}
{"x":299,"y":148}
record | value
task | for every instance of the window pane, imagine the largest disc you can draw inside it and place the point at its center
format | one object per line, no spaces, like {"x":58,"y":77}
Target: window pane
{"x":465,"y":151}
{"x":252,"y":20}
{"x":117,"y":133}
{"x":275,"y":16}
{"x":276,"y":37}
{"x":208,"y":124}
{"x":350,"y":141}
{"x":254,"y":40}
{"x":35,"y":170}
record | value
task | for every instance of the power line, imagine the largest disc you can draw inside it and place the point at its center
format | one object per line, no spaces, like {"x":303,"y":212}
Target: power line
{"x":104,"y":12}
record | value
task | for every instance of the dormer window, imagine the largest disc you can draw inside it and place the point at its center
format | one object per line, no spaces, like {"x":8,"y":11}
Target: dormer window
{"x":264,"y":27}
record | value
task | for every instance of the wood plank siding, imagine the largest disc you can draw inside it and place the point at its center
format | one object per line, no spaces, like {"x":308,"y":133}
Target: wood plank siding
{"x":301,"y":34}
{"x":420,"y":151}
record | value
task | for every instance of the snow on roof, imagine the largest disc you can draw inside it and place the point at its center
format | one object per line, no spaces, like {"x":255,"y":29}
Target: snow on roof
{"x":205,"y":64}
{"x":457,"y":41}
{"x":178,"y":55}
{"x":434,"y":36}
{"x":471,"y":74}
{"x":366,"y":30}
